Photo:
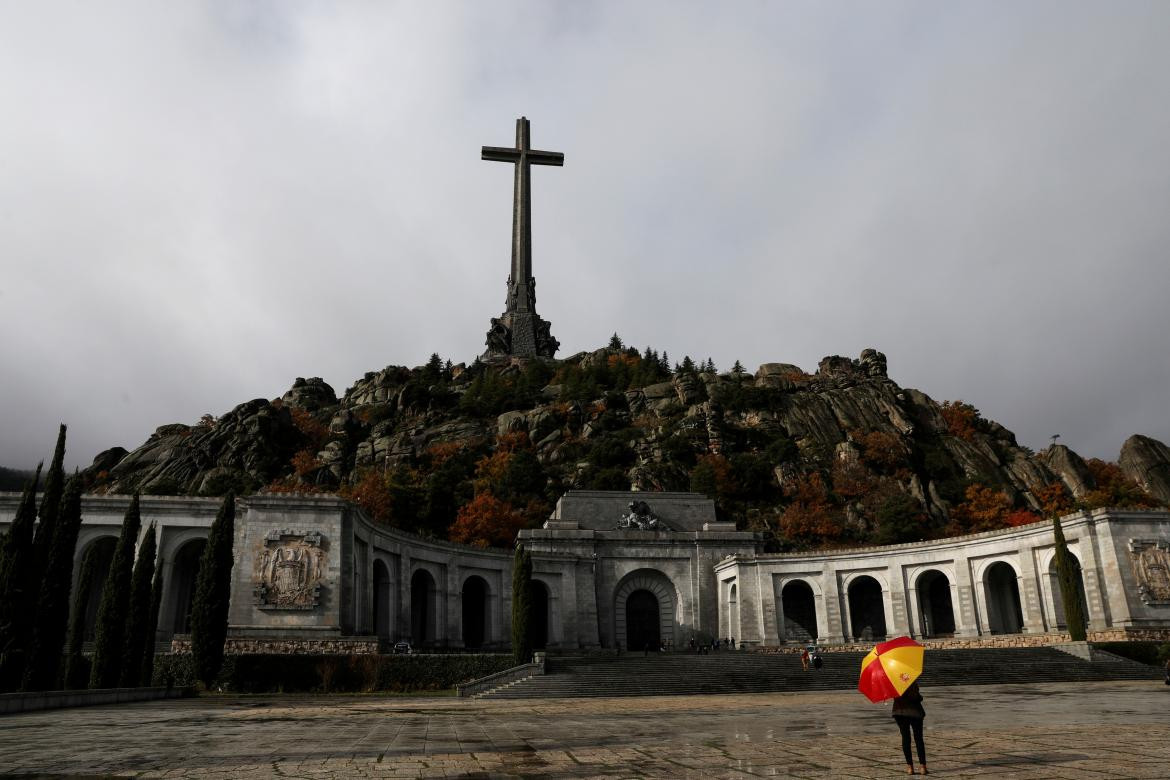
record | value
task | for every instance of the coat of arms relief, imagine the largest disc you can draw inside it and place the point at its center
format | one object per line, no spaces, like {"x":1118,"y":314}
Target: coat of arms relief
{"x":288,"y":570}
{"x":1151,"y":566}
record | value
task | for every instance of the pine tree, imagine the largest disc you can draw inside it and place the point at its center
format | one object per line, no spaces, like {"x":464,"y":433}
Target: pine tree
{"x":52,"y":618}
{"x":664,"y":363}
{"x":209,"y":610}
{"x":738,"y":369}
{"x":146,"y":675}
{"x":522,"y":606}
{"x":688,"y":365}
{"x":111,"y":618}
{"x":1070,"y":594}
{"x":433,"y":370}
{"x":76,"y":673}
{"x":139,"y":634}
{"x":16,"y":558}
{"x":50,"y":507}
{"x":615,"y":341}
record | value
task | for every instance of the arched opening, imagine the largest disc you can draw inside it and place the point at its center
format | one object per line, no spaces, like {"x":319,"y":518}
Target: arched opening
{"x":1058,"y":606}
{"x":643,"y":629}
{"x":733,"y":611}
{"x":635,"y":624}
{"x":475,"y":612}
{"x":934,"y":604}
{"x":103,"y":551}
{"x":184,"y":574}
{"x":540,"y":615}
{"x":1003,"y":599}
{"x":800,"y":612}
{"x":422,"y":599}
{"x":867,"y":611}
{"x":381,"y":616}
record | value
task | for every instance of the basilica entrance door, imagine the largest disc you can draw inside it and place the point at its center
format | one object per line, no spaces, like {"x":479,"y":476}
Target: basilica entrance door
{"x":643,"y":628}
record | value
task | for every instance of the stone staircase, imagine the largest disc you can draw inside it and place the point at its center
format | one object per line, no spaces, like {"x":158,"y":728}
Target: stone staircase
{"x":749,"y":672}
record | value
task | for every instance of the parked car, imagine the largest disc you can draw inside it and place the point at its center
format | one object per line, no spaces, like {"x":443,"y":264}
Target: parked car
{"x":403,"y":648}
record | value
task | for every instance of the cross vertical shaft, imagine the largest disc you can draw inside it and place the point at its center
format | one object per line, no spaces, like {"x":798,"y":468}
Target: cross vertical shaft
{"x":520,"y":331}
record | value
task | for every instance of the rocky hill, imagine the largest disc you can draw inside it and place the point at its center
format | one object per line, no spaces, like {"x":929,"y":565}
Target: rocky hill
{"x":840,"y":456}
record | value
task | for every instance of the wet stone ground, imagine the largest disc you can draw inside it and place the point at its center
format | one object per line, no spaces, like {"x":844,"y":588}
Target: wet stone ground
{"x":1095,"y":730}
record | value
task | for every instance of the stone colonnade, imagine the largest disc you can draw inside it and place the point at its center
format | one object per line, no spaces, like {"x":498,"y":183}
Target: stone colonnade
{"x":999,"y":582}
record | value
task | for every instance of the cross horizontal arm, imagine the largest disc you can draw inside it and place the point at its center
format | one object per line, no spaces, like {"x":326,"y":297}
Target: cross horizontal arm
{"x":535,"y":156}
{"x":501,"y":154}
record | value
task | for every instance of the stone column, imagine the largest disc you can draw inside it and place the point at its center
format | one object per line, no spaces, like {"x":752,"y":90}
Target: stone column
{"x":916,"y":621}
{"x":835,"y":626}
{"x":965,"y":600}
{"x":897,"y":618}
{"x":403,"y":617}
{"x":766,"y":608}
{"x":1030,"y":603}
{"x":1098,"y":618}
{"x":451,"y":612}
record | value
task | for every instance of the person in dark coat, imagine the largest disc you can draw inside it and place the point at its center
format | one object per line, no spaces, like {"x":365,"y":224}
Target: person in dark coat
{"x":909,"y":714}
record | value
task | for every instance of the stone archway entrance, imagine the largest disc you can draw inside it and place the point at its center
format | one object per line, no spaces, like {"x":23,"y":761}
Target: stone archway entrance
{"x":867,"y":610}
{"x":1004,"y":615}
{"x":103,"y":552}
{"x":1058,"y":606}
{"x":799,"y":608}
{"x":540,"y":615}
{"x":643,"y":625}
{"x":184,"y":574}
{"x":644,"y":610}
{"x":475,"y":612}
{"x":422,"y":612}
{"x":934,"y":604}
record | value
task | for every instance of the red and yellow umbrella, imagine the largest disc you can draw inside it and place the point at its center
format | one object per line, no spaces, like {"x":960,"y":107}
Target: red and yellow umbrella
{"x":889,"y":668}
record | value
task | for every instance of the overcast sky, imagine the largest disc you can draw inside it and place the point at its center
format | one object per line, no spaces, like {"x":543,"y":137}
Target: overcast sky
{"x":200,"y":202}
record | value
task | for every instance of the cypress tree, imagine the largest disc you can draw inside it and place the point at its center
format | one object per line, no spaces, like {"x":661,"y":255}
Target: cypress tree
{"x":146,"y":675}
{"x":76,"y":674}
{"x":522,"y":606}
{"x":15,"y":563}
{"x":50,"y":507}
{"x":41,"y":672}
{"x":209,"y":610}
{"x":111,"y":617}
{"x":138,"y":618}
{"x":1070,"y":594}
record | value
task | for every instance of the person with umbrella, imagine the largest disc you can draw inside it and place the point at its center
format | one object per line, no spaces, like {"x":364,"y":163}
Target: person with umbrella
{"x":909,"y":714}
{"x":891,"y":671}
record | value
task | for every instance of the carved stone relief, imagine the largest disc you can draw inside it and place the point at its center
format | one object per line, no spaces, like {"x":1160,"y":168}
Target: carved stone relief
{"x":288,"y":570}
{"x":1151,"y":566}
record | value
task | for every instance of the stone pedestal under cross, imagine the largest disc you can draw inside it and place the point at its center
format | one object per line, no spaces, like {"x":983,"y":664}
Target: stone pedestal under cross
{"x":520,"y":331}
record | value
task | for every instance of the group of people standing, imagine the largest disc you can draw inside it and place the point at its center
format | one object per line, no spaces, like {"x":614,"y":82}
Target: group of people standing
{"x":702,"y":648}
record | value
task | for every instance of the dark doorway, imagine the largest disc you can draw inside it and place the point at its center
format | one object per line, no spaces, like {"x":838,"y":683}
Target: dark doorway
{"x":1003,"y":600}
{"x":1058,"y":595}
{"x":867,"y":610}
{"x":800,"y":612}
{"x":540,"y":608}
{"x":186,"y":570}
{"x":103,"y":552}
{"x":934,"y":603}
{"x":643,"y":629}
{"x":422,"y":618}
{"x":381,"y":615}
{"x":475,"y":600}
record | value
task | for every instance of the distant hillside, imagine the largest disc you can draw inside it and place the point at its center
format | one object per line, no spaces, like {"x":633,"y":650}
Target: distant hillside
{"x":472,"y":453}
{"x":15,"y":479}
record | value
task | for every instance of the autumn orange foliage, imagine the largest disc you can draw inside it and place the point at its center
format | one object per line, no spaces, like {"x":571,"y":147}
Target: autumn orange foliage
{"x":372,"y":493}
{"x":984,"y":510}
{"x":315,"y":430}
{"x":1054,"y":499}
{"x":486,"y":521}
{"x":879,"y":449}
{"x":1113,"y":488}
{"x":304,"y":462}
{"x":810,"y":513}
{"x":960,"y":418}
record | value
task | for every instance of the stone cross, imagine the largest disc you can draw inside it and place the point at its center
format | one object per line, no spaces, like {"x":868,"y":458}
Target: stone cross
{"x":521,"y":290}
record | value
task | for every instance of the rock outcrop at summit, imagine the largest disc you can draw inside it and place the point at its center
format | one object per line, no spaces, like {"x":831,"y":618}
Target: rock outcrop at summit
{"x":842,"y":455}
{"x":1147,"y":462}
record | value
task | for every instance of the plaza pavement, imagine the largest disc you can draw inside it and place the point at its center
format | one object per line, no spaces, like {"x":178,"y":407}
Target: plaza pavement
{"x":1094,"y":730}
